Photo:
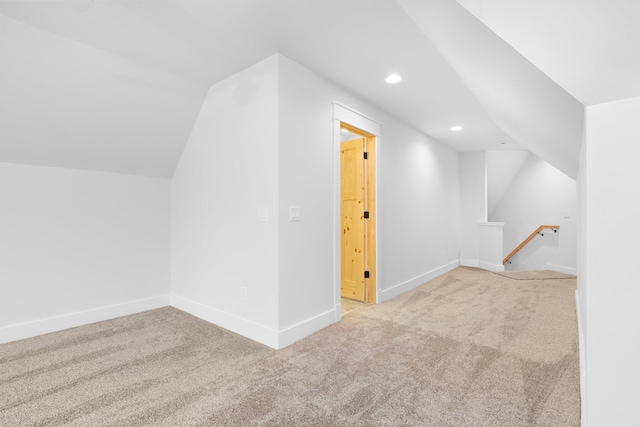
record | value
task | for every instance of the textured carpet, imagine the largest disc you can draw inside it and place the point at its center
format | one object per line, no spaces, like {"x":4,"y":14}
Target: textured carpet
{"x":536,"y":275}
{"x":469,"y":348}
{"x":348,"y":305}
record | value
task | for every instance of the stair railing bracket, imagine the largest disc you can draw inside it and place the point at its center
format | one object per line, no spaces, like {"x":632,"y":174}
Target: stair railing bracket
{"x":555,"y":229}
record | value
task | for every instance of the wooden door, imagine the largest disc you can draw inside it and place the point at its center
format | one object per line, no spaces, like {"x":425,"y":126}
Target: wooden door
{"x":352,"y":224}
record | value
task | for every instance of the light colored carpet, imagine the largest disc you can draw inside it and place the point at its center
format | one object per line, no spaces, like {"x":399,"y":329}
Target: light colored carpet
{"x":536,"y":275}
{"x":469,"y":348}
{"x":348,"y":305}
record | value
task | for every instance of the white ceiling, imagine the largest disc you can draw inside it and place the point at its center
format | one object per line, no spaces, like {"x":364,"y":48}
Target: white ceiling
{"x":116,"y":86}
{"x":525,"y":103}
{"x":591,"y":48}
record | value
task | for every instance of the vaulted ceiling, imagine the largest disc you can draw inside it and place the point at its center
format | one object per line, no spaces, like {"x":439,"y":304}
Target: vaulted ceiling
{"x":116,"y":86}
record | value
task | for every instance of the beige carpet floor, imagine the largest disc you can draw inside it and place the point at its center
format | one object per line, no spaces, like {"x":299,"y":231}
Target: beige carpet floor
{"x":536,"y":275}
{"x":348,"y":305}
{"x":470,"y":348}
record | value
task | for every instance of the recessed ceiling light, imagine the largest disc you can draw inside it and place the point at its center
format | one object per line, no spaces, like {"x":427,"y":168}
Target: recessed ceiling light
{"x":501,"y":142}
{"x":393,"y":78}
{"x":344,"y":130}
{"x":456,"y":128}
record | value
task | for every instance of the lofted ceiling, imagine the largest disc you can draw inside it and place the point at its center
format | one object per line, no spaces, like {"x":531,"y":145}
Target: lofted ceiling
{"x":116,"y":86}
{"x":591,"y":48}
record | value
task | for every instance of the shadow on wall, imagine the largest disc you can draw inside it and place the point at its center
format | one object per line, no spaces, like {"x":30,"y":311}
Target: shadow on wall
{"x":537,"y":194}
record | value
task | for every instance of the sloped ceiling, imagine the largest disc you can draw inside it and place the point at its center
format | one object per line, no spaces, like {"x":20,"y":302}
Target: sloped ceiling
{"x":116,"y":86}
{"x":590,"y":48}
{"x":67,"y":104}
{"x":524,"y":102}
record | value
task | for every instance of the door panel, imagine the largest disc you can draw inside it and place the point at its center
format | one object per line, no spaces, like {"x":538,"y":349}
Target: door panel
{"x":352,"y":239}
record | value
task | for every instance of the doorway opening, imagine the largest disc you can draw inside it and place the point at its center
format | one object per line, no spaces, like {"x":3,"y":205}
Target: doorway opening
{"x":357,"y":214}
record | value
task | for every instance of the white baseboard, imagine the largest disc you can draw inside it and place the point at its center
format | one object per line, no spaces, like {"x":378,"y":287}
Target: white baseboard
{"x":57,"y":323}
{"x":401,"y":288}
{"x":260,"y":333}
{"x":560,"y":269}
{"x":470,"y":263}
{"x":252,"y":330}
{"x":481,"y":264}
{"x":247,"y":328}
{"x":303,"y":329}
{"x":496,"y":268}
{"x":583,"y":364}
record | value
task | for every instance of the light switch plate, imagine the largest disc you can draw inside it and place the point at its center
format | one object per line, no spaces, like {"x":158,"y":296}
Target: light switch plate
{"x":262,"y":214}
{"x":294,"y":213}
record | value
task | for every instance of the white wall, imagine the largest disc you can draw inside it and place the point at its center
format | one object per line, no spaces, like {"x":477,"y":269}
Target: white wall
{"x":418,"y":208}
{"x":540,"y":194}
{"x":581,"y":185}
{"x":418,"y":198}
{"x":473,"y":204}
{"x":612,"y":212}
{"x":78,"y":247}
{"x":306,"y":180}
{"x":502,"y":167}
{"x":229,"y":170}
{"x":490,"y":246}
{"x":581,"y":291}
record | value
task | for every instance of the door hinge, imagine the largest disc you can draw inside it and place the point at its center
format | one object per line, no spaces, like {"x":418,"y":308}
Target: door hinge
{"x":365,"y":155}
{"x":366,"y":215}
{"x":366,"y":274}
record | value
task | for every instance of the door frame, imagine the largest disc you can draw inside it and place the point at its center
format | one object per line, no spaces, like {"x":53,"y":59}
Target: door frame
{"x":343,"y":114}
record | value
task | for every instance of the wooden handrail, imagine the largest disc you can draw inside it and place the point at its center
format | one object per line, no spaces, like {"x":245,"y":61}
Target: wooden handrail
{"x":525,"y":241}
